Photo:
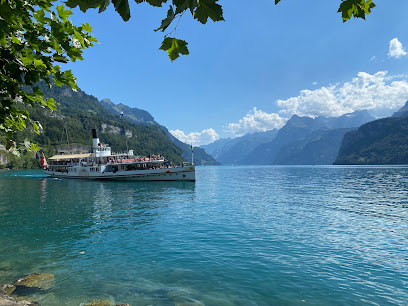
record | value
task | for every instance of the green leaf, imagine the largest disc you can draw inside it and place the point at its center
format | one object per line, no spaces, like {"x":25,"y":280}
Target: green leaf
{"x":181,"y":5}
{"x":39,"y":16}
{"x":355,"y":8}
{"x":60,"y":58}
{"x":51,"y":104}
{"x":86,"y":27}
{"x":15,"y":152}
{"x":37,"y":92}
{"x":36,"y":128}
{"x":39,"y":63}
{"x":71,"y":79}
{"x":174,"y":47}
{"x":208,"y":8}
{"x":63,"y":13}
{"x":193,"y":6}
{"x":167,"y":21}
{"x":30,"y":146}
{"x":122,"y":7}
{"x":35,"y":147}
{"x":104,"y":5}
{"x":157,"y":3}
{"x":16,"y":40}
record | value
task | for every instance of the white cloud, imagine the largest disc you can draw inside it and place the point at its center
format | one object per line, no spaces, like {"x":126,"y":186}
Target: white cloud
{"x":315,"y":83}
{"x":373,"y":58}
{"x":196,"y":138}
{"x":396,"y":50}
{"x":378,"y":92}
{"x":256,"y":121}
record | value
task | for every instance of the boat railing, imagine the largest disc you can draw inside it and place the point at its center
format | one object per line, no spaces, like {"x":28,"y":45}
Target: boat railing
{"x":188,"y":164}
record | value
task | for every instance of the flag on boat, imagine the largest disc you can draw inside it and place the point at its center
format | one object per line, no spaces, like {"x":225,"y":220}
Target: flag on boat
{"x":191,"y":147}
{"x":44,"y":162}
{"x":121,"y":114}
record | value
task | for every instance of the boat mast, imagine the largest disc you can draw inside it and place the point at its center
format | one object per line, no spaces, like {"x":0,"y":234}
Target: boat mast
{"x":124,"y":129}
{"x":192,"y":153}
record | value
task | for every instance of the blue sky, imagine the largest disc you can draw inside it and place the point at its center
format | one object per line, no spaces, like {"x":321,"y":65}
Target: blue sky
{"x":253,"y":71}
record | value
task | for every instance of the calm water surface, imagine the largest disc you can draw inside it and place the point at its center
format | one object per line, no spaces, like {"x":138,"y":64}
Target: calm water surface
{"x":238,"y":236}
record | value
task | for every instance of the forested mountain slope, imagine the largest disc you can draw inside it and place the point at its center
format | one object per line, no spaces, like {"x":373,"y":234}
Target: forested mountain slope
{"x":77,"y":113}
{"x":383,"y":141}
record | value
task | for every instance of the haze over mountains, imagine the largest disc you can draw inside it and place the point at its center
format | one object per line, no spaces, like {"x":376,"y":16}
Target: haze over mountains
{"x":229,"y":151}
{"x":302,"y":140}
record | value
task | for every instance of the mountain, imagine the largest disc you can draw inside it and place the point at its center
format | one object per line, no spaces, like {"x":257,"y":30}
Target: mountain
{"x":295,"y":129}
{"x":355,"y":119}
{"x":383,"y":141}
{"x":229,"y":151}
{"x":403,"y":112}
{"x":305,"y":140}
{"x":215,"y":148}
{"x":317,"y":148}
{"x":137,"y":115}
{"x":69,"y":128}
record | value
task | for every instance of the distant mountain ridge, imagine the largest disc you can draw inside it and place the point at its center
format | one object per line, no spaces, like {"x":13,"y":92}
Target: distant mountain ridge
{"x":306,"y":140}
{"x":229,"y":151}
{"x":403,"y":112}
{"x":383,"y":141}
{"x":134,"y":114}
{"x":320,"y":147}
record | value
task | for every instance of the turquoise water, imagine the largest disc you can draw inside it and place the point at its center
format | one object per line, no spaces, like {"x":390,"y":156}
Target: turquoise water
{"x":238,"y":236}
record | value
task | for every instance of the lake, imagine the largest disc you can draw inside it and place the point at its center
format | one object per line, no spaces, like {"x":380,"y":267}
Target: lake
{"x":255,"y":235}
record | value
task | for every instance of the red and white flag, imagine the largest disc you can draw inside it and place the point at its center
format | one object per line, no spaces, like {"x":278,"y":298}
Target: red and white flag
{"x":44,"y":162}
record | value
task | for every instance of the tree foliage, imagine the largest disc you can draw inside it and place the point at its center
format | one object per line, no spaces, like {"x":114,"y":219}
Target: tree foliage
{"x":201,"y":10}
{"x":34,"y":38}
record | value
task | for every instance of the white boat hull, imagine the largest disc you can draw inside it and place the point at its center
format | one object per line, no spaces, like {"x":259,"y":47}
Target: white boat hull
{"x":171,"y":174}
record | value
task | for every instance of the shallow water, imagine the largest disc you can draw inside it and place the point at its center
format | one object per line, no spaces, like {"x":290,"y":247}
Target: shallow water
{"x":238,"y":236}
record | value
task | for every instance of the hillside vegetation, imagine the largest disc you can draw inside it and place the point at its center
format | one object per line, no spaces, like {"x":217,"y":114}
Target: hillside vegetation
{"x":381,"y":142}
{"x":69,"y":128}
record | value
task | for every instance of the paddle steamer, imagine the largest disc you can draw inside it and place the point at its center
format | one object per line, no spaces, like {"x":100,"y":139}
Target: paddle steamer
{"x":102,"y":164}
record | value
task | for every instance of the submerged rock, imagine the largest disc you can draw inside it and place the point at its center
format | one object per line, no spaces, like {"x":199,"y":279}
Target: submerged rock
{"x":100,"y":303}
{"x":42,"y":281}
{"x":6,"y":300}
{"x":8,"y":288}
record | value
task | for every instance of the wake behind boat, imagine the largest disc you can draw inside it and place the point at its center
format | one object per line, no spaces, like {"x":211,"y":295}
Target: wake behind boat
{"x":102,"y":164}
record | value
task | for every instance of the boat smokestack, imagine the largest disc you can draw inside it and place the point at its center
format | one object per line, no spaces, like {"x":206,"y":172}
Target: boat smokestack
{"x":95,"y":139}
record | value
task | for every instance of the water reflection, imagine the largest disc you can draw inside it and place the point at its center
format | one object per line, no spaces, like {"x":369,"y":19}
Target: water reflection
{"x":43,"y":191}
